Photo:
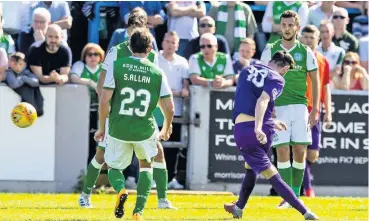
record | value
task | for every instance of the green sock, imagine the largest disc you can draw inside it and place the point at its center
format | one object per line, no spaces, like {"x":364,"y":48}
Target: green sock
{"x":285,"y":170}
{"x":143,"y":189}
{"x":93,"y":171}
{"x":298,"y":170}
{"x":160,"y":175}
{"x":116,"y":179}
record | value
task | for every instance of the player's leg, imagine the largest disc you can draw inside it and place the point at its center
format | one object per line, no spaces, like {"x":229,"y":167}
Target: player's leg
{"x":145,"y":152}
{"x":312,"y":156}
{"x":93,"y":171}
{"x":118,"y":156}
{"x":160,"y":175}
{"x":281,"y":141}
{"x":300,"y":139}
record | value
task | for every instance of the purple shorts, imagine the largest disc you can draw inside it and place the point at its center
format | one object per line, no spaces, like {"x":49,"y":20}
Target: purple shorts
{"x":254,"y":153}
{"x":315,"y":136}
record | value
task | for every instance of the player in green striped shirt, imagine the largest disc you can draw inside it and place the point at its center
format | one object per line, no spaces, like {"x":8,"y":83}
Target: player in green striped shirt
{"x":137,"y":19}
{"x":291,"y":106}
{"x":135,"y":86}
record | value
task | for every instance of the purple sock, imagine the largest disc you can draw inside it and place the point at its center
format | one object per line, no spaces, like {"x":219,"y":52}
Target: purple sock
{"x":286,"y":193}
{"x":247,"y":186}
{"x":307,"y":176}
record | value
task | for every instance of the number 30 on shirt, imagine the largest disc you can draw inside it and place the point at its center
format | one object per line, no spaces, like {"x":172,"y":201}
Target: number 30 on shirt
{"x":257,"y":76}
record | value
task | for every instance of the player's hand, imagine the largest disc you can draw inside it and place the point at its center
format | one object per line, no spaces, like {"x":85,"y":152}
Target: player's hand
{"x":99,"y":135}
{"x":185,"y":92}
{"x":327,"y":119}
{"x":165,"y":133}
{"x":260,"y":136}
{"x":313,"y":118}
{"x":280,"y":125}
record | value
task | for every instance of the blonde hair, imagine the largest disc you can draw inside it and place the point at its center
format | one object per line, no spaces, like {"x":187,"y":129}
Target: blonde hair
{"x":92,"y":46}
{"x":352,"y":54}
{"x":248,"y":41}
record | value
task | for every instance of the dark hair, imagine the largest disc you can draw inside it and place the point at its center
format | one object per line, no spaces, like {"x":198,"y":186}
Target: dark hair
{"x":291,"y":14}
{"x":311,"y":29}
{"x":137,"y":18}
{"x":282,"y":59}
{"x":18,"y":56}
{"x":140,"y":41}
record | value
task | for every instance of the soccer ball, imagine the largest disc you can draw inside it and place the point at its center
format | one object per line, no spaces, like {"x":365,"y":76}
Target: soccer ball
{"x":23,"y":115}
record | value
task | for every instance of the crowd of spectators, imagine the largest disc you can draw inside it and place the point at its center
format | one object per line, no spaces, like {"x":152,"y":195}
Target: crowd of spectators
{"x":201,"y":45}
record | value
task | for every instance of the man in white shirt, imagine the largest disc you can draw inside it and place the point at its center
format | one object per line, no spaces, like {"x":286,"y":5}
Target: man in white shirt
{"x":320,"y":12}
{"x":182,"y":19}
{"x":175,"y":68}
{"x":363,"y":52}
{"x":333,"y":53}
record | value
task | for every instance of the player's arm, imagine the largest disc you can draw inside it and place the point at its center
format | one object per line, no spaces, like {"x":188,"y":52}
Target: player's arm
{"x":311,"y":64}
{"x":261,"y":106}
{"x":105,"y":97}
{"x":166,"y":105}
{"x":108,"y":62}
{"x":327,"y":99}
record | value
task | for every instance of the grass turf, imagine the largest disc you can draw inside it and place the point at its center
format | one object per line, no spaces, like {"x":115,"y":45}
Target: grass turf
{"x":42,"y":207}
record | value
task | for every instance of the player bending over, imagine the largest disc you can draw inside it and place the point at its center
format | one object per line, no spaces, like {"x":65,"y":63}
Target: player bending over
{"x":135,"y":86}
{"x":254,"y":129}
{"x":136,"y":19}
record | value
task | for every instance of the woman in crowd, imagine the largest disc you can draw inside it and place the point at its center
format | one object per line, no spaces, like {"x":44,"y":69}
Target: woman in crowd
{"x":87,"y":71}
{"x":353,"y":76}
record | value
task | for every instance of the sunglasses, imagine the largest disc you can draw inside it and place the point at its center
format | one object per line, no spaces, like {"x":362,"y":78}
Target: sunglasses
{"x":206,"y":25}
{"x":350,"y":62}
{"x":338,"y":17}
{"x":93,"y":54}
{"x":206,"y":46}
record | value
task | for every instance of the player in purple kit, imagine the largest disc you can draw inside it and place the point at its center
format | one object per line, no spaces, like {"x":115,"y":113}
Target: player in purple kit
{"x":258,"y":87}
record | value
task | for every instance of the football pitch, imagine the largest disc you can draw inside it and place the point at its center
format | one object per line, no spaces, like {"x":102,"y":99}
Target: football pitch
{"x":190,"y":207}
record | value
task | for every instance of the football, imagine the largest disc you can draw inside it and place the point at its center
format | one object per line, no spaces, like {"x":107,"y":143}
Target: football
{"x":24,"y":115}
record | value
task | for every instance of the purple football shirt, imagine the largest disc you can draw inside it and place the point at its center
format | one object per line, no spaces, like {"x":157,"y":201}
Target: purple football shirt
{"x":252,"y":81}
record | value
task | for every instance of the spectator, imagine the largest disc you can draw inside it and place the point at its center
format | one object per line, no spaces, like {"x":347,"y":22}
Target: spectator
{"x":320,"y":12}
{"x":342,"y":37}
{"x":353,"y":76}
{"x":41,"y":19}
{"x":87,"y":70}
{"x":50,"y":60}
{"x":155,"y":13}
{"x":360,"y":23}
{"x":183,"y":20}
{"x":3,"y":63}
{"x":18,"y":74}
{"x":15,"y":16}
{"x":333,"y":53}
{"x":6,"y":41}
{"x":210,"y":68}
{"x":207,"y":25}
{"x":246,"y":53}
{"x":60,"y":14}
{"x":176,"y":69}
{"x":363,"y":52}
{"x":349,"y":4}
{"x":234,"y":21}
{"x":271,"y":20}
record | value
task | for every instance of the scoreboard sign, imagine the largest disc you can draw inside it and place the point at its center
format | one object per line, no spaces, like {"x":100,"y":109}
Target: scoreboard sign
{"x":226,"y":164}
{"x":343,"y":156}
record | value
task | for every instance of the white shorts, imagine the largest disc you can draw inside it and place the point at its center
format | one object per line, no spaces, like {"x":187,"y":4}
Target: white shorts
{"x":296,"y":118}
{"x":118,"y":154}
{"x":102,"y":144}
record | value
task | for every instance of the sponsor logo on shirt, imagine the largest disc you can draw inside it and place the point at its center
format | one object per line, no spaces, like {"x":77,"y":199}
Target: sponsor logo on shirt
{"x":274,"y":94}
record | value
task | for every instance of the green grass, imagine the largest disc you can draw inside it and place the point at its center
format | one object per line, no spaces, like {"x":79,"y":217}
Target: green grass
{"x":38,"y":207}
